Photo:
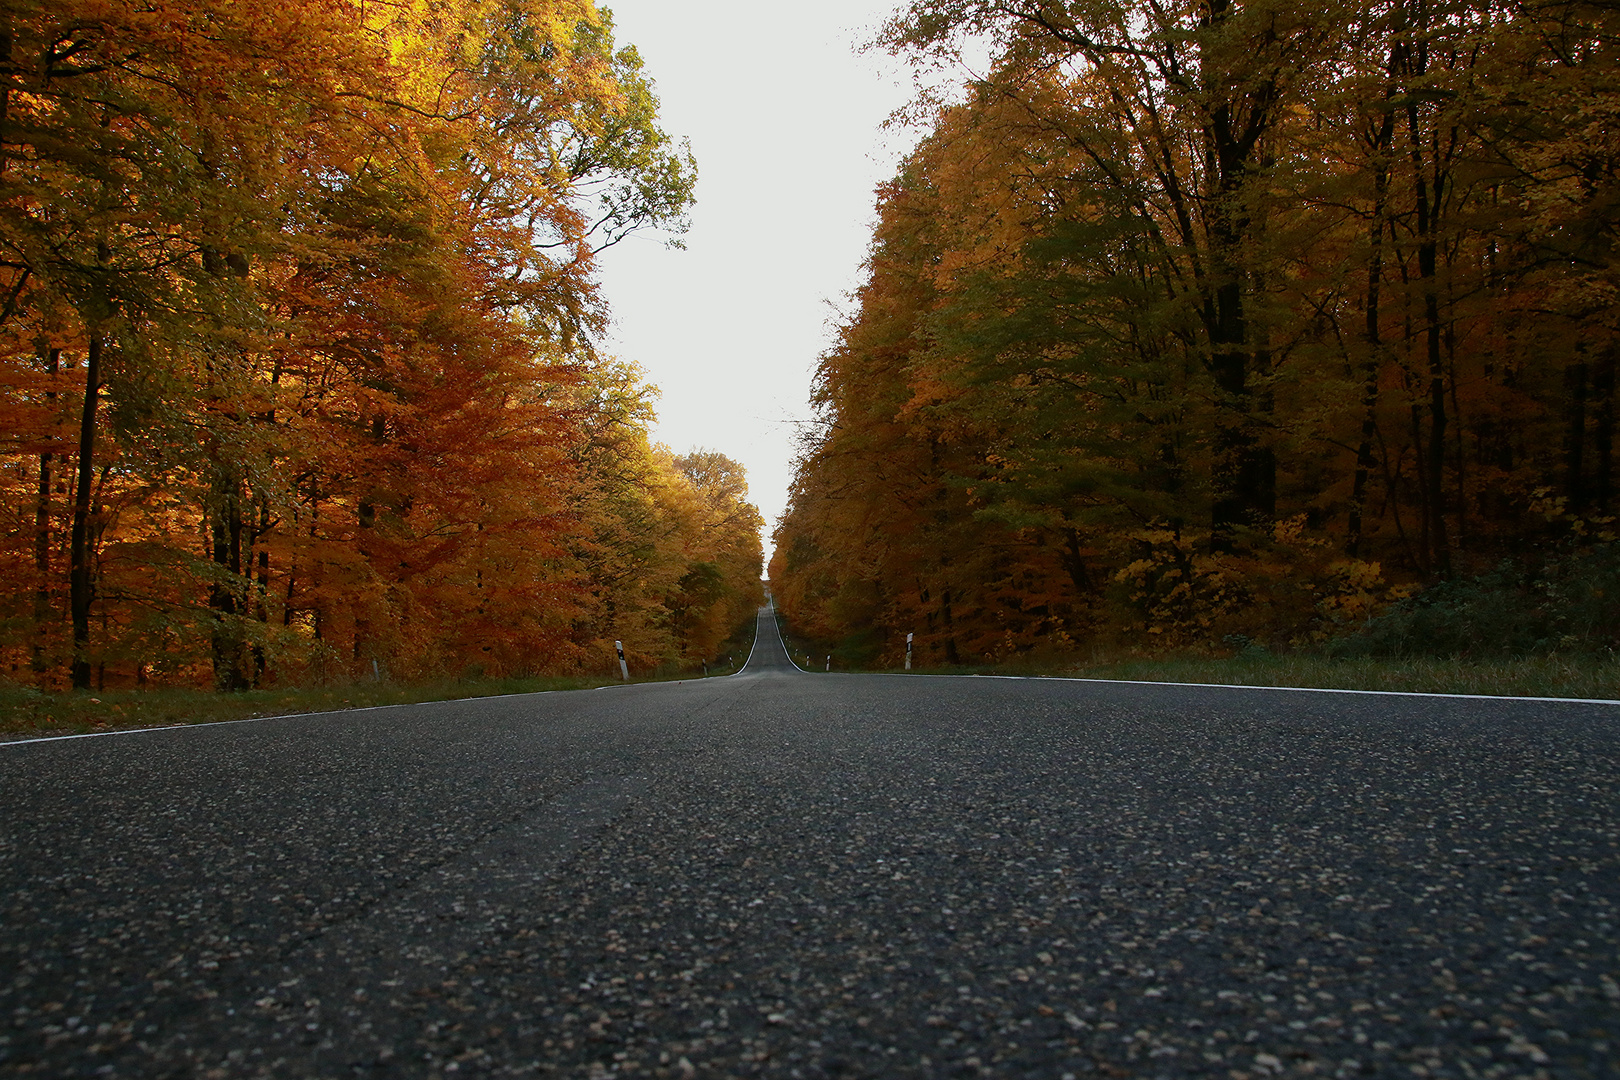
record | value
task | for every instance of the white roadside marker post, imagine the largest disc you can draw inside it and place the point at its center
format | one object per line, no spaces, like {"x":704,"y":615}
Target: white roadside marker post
{"x":829,"y":661}
{"x":908,"y":651}
{"x":624,"y":668}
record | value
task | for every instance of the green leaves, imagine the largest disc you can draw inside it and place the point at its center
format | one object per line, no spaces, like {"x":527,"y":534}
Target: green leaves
{"x":339,"y":256}
{"x":1169,"y":278}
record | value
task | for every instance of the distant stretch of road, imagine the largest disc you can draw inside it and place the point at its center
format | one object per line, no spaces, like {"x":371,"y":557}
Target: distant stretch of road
{"x":811,"y":875}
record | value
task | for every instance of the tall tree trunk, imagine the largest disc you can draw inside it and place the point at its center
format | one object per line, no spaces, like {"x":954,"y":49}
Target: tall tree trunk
{"x":1074,"y":561}
{"x":318,"y":616}
{"x":81,"y":579}
{"x":1245,"y":471}
{"x":42,"y":535}
{"x":1392,"y":499}
{"x":1439,"y":544}
{"x":1429,"y":194}
{"x":1372,"y":337}
{"x":365,"y":520}
{"x":1420,"y":467}
{"x":228,"y":595}
{"x":1575,"y":432}
{"x":1460,"y":451}
{"x":225,"y":595}
{"x":261,"y":583}
{"x":1603,"y":435}
{"x":1364,"y":448}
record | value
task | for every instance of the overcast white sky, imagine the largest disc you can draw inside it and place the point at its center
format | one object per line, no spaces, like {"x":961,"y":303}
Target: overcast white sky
{"x":785,"y":121}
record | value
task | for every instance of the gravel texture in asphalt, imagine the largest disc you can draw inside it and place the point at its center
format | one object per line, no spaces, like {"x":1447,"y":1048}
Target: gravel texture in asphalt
{"x":810,"y":875}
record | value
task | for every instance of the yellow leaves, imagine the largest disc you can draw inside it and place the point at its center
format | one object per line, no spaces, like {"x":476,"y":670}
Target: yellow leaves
{"x":1554,"y":509}
{"x":984,"y":191}
{"x":1079,"y":315}
{"x":1355,"y":574}
{"x":1353,"y":592}
{"x":1291,"y":531}
{"x":318,"y":229}
{"x":1548,"y":506}
{"x":673,"y":545}
{"x":1184,"y":594}
{"x":1178,"y":590}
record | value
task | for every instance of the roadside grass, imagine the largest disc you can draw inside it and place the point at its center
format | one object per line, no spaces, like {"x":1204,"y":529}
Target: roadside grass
{"x":29,"y":713}
{"x":733,"y":652}
{"x":1546,"y":624}
{"x":1585,"y":675}
{"x":1588,"y":677}
{"x":1556,"y":676}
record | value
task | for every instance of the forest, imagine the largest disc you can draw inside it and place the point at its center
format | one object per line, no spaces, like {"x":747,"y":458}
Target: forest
{"x":1219,"y":324}
{"x":299,"y":350}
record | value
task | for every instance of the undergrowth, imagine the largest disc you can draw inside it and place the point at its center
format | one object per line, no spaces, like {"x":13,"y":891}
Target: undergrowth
{"x":28,"y":713}
{"x":1561,"y":676}
{"x":1532,"y":628}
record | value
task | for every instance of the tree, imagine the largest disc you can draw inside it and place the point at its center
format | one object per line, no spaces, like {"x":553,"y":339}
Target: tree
{"x":1184,"y":320}
{"x":326,"y":268}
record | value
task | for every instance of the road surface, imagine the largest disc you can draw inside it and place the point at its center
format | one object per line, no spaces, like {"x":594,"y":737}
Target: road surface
{"x":810,"y":875}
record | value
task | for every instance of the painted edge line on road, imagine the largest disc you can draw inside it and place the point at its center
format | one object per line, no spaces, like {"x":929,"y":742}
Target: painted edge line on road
{"x":1203,"y":686}
{"x":1245,"y":686}
{"x":888,"y":674}
{"x":740,"y":671}
{"x":787,"y":652}
{"x":750,"y":658}
{"x":282,"y":716}
{"x":330,"y":712}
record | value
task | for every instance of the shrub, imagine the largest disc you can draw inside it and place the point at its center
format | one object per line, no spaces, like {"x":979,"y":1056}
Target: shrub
{"x":1568,"y":603}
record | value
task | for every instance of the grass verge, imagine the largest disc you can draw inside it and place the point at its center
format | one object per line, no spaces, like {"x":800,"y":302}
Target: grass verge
{"x":1574,"y":676}
{"x":26,"y":713}
{"x":29,"y":713}
{"x":1558,"y":676}
{"x":1585,"y":675}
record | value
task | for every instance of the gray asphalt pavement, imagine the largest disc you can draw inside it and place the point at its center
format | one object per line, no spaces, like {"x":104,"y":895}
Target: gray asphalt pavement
{"x":810,"y":875}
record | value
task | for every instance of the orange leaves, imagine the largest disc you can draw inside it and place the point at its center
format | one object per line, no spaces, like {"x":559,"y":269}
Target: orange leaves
{"x":339,"y":258}
{"x":670,"y":548}
{"x":1188,"y":324}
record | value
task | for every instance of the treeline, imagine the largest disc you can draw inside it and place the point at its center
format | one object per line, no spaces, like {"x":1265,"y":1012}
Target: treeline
{"x":296,"y":312}
{"x":1220,"y":321}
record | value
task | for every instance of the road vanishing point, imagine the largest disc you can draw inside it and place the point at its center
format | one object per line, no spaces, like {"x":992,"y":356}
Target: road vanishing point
{"x":809,"y":875}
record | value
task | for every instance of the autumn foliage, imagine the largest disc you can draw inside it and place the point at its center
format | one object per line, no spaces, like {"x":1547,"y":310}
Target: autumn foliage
{"x":296,"y":365}
{"x":1220,"y":321}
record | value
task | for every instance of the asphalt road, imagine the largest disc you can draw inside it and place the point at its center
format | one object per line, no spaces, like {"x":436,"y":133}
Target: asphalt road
{"x":818,"y":875}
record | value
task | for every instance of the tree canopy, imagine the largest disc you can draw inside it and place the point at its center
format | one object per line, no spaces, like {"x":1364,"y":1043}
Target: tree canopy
{"x":1218,"y":320}
{"x":297,"y":348}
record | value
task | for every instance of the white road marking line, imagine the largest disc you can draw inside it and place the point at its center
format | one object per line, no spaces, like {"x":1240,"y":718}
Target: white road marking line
{"x":881,"y":674}
{"x":1247,"y":686}
{"x":777,"y":623}
{"x":285,"y":716}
